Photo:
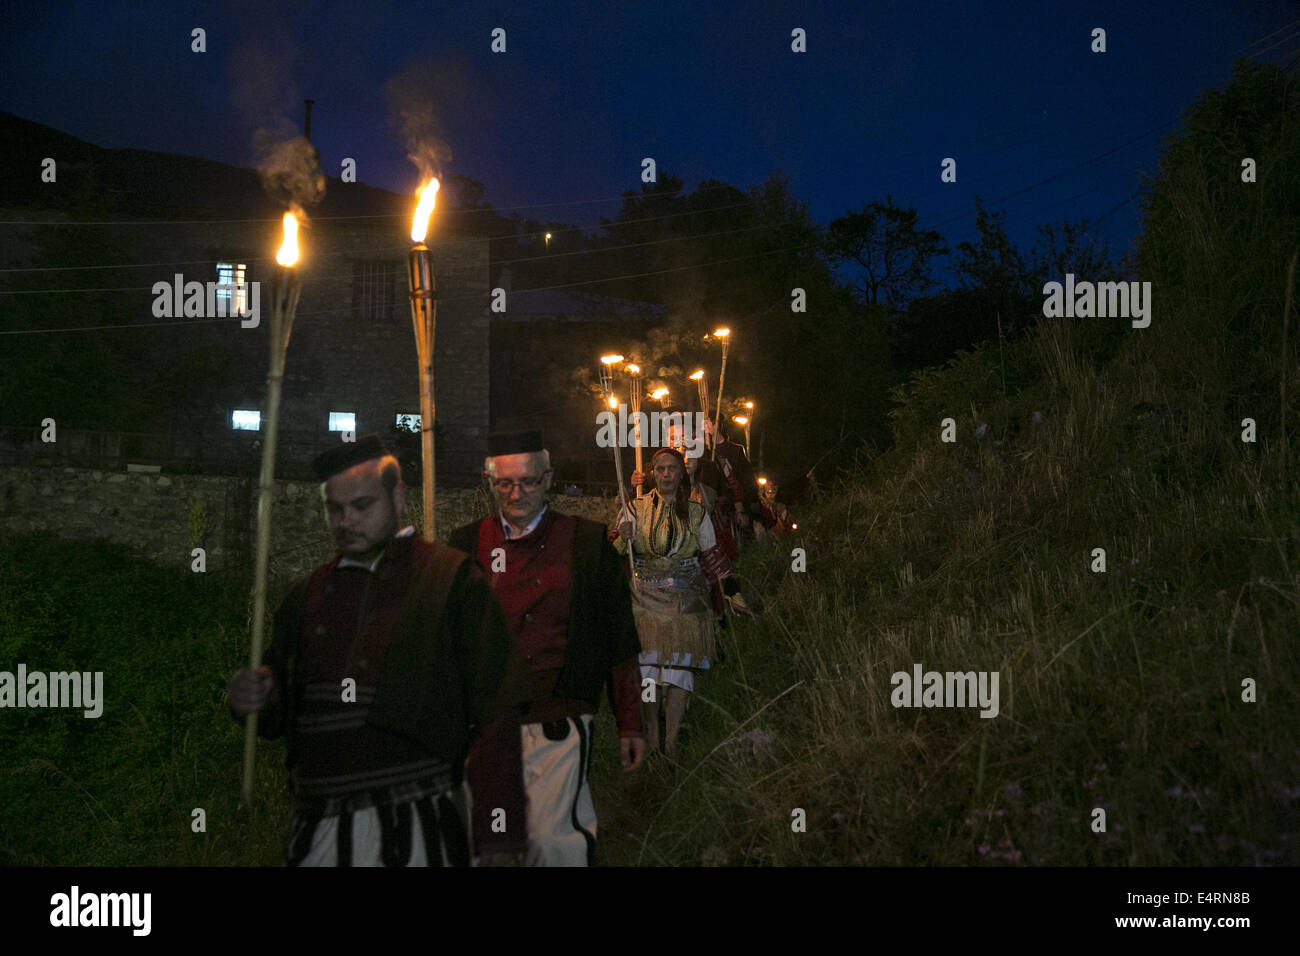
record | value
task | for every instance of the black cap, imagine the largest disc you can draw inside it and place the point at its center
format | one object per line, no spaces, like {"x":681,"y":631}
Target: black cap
{"x":514,"y":443}
{"x":342,"y":457}
{"x":668,"y":450}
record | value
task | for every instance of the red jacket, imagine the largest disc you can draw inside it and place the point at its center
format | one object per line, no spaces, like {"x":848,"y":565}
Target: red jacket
{"x":570,"y":613}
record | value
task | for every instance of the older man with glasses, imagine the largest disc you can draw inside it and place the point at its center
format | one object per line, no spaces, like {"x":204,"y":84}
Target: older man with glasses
{"x":570,"y":612}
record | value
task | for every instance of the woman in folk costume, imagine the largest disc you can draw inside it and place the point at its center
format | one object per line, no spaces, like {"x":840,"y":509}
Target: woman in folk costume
{"x":703,"y":481}
{"x":677,"y":557}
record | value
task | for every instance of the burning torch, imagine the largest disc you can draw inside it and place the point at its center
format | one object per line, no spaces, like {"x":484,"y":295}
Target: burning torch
{"x":607,"y":363}
{"x":288,"y":287}
{"x":702,"y":386}
{"x":424,"y":317}
{"x":725,"y":336}
{"x":659,"y":394}
{"x":635,"y":372}
{"x":743,"y":421}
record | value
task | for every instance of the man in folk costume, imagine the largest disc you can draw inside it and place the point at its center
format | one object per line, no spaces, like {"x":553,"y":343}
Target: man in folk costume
{"x":384,"y":665}
{"x":565,"y":595}
{"x":738,"y":473}
{"x":776,"y":517}
{"x":677,"y":557}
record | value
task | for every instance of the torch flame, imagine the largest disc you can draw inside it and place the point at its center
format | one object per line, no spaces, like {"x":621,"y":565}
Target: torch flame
{"x":613,"y":402}
{"x":658,"y":393}
{"x":698,"y":375}
{"x":722,"y":333}
{"x":741,"y":420}
{"x":288,"y":254}
{"x":762,"y":481}
{"x":634,"y":369}
{"x":611,"y":359}
{"x":428,"y":194}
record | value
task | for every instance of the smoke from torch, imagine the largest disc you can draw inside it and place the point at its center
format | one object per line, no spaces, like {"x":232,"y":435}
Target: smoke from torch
{"x":290,"y":174}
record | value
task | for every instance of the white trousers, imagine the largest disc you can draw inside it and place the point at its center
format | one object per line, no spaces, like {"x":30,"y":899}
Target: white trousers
{"x":561,"y":816}
{"x":366,"y":841}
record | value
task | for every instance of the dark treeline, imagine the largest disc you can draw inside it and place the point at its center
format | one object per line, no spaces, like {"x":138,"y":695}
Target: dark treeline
{"x":877,"y":302}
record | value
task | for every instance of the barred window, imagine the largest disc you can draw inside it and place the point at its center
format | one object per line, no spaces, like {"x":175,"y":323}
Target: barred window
{"x":372,"y":290}
{"x":233,"y":299}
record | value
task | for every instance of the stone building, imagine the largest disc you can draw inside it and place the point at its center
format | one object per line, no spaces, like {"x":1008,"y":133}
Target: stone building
{"x":351,"y":361}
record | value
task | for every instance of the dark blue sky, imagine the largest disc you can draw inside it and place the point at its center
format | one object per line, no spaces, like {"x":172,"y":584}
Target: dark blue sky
{"x":556,"y":127}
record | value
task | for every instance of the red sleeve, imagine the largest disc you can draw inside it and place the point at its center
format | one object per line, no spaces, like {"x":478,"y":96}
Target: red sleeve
{"x":495,"y":771}
{"x":625,"y":698}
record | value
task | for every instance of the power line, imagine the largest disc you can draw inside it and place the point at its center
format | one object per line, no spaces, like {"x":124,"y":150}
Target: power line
{"x":465,"y":298}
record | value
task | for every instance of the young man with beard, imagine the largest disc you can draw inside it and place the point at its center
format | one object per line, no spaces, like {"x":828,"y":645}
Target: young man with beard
{"x":384,"y":665}
{"x":566,"y":599}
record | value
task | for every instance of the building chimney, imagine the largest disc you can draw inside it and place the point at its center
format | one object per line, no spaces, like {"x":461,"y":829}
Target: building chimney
{"x":306,"y":126}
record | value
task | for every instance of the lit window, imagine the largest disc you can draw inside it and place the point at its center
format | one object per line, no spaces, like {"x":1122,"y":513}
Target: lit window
{"x":243,"y":419}
{"x":232,"y":300}
{"x":409,"y":421}
{"x":343,"y":421}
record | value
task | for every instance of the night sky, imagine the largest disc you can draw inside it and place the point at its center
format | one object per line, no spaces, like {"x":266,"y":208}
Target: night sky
{"x":556,"y":126}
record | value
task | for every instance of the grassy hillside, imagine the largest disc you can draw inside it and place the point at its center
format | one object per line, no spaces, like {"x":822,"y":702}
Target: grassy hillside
{"x":1119,"y":690}
{"x":120,"y":789}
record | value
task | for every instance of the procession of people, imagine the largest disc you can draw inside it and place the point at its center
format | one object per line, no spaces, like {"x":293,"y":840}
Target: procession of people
{"x":438,"y":700}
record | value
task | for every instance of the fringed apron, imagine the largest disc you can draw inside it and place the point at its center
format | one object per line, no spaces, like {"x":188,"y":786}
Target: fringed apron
{"x":671,"y":600}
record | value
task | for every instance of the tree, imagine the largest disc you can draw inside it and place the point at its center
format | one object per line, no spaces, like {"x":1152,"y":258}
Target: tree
{"x":1218,"y":234}
{"x":1067,"y":247}
{"x":893,"y":254}
{"x":995,"y":271}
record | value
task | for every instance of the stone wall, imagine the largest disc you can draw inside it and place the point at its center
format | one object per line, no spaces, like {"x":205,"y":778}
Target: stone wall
{"x":163,"y":517}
